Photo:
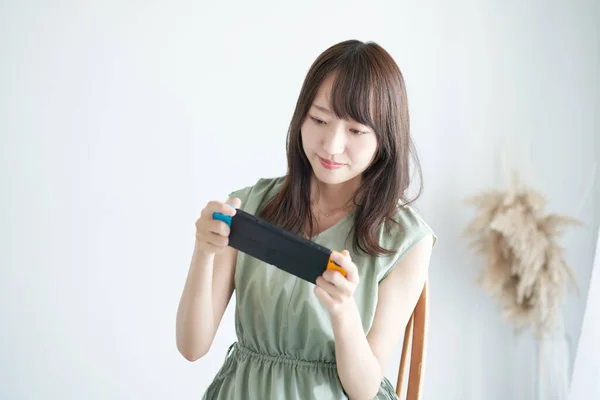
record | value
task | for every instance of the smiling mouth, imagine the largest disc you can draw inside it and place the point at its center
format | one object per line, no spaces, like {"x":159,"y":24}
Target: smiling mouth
{"x":330,"y":164}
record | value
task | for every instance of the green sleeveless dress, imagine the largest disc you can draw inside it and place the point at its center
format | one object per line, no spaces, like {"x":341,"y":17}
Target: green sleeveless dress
{"x":285,"y":345}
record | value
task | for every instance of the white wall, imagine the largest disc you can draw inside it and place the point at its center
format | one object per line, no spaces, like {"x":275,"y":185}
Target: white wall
{"x":586,"y":370}
{"x":119,"y":121}
{"x":585,"y":382}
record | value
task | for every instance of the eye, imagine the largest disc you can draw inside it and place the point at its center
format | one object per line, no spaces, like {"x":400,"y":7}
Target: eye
{"x":357,"y":132}
{"x":317,"y":121}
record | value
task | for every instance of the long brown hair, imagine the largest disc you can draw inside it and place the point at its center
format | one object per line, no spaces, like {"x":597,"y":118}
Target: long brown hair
{"x":368,"y":88}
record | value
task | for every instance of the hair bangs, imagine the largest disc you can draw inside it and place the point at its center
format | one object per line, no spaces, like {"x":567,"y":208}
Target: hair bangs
{"x":352,"y":93}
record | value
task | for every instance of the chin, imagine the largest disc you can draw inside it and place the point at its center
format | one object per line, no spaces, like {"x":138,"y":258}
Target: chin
{"x":329,"y":177}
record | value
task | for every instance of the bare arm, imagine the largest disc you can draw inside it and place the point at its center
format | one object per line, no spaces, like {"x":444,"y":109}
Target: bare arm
{"x":361,"y":359}
{"x":208,"y":287}
{"x":398,"y":296}
{"x":205,"y":297}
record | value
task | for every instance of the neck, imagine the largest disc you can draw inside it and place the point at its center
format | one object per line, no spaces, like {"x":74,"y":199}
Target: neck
{"x":333,"y":196}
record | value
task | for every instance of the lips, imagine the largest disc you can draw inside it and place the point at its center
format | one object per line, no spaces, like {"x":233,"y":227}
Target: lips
{"x":329,"y":164}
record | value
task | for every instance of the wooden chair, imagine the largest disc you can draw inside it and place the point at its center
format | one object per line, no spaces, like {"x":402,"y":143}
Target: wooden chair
{"x":416,"y":329}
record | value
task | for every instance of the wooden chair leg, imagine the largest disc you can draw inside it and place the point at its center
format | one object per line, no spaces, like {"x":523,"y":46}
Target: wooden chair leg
{"x":403,"y":356}
{"x":419,"y":348}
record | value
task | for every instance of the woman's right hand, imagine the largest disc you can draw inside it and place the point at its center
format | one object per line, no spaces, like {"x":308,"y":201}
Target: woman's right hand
{"x":209,"y":283}
{"x":212,"y":235}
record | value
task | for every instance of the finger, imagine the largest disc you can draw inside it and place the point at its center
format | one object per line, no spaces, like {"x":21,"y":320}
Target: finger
{"x":212,"y":239}
{"x":211,"y":208}
{"x":228,"y":208}
{"x":341,"y":285}
{"x":335,"y":292}
{"x":216,"y":206}
{"x":217,"y":240}
{"x":325,"y":285}
{"x":340,"y":259}
{"x":324,"y":297}
{"x":343,"y":260}
{"x":234,"y":202}
{"x":335,"y":277}
{"x":352,"y":275}
{"x":219,"y":227}
{"x":352,"y":269}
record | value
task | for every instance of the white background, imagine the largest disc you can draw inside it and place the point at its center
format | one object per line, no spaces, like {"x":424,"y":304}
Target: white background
{"x":120,"y":120}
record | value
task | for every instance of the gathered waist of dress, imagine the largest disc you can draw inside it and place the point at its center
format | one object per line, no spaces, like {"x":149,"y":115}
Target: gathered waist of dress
{"x":238,"y":349}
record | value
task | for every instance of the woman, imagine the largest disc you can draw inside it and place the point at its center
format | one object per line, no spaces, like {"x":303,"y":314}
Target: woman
{"x":348,"y":151}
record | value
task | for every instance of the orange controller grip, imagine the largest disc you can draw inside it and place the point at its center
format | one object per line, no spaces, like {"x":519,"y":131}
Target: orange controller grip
{"x":332,"y":265}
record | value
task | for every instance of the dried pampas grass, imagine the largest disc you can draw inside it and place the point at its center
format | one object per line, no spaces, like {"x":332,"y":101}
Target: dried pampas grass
{"x":525,"y":267}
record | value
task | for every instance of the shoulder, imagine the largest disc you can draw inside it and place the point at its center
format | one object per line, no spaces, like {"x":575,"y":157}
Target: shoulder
{"x":256,"y":194}
{"x":407,"y":221}
{"x":407,"y":229}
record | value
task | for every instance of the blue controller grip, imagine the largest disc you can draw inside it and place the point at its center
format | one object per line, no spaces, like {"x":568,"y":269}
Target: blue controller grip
{"x":222,"y":217}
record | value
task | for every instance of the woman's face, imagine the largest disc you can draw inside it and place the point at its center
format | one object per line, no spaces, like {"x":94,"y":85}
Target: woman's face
{"x":338,"y":150}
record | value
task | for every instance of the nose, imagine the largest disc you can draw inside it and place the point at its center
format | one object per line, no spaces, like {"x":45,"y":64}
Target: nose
{"x":334,"y":141}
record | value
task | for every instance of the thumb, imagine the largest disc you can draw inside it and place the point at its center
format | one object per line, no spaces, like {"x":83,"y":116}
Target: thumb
{"x":234,"y":202}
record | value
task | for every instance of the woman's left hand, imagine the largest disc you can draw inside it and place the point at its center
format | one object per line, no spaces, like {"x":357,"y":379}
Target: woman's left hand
{"x":334,"y":290}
